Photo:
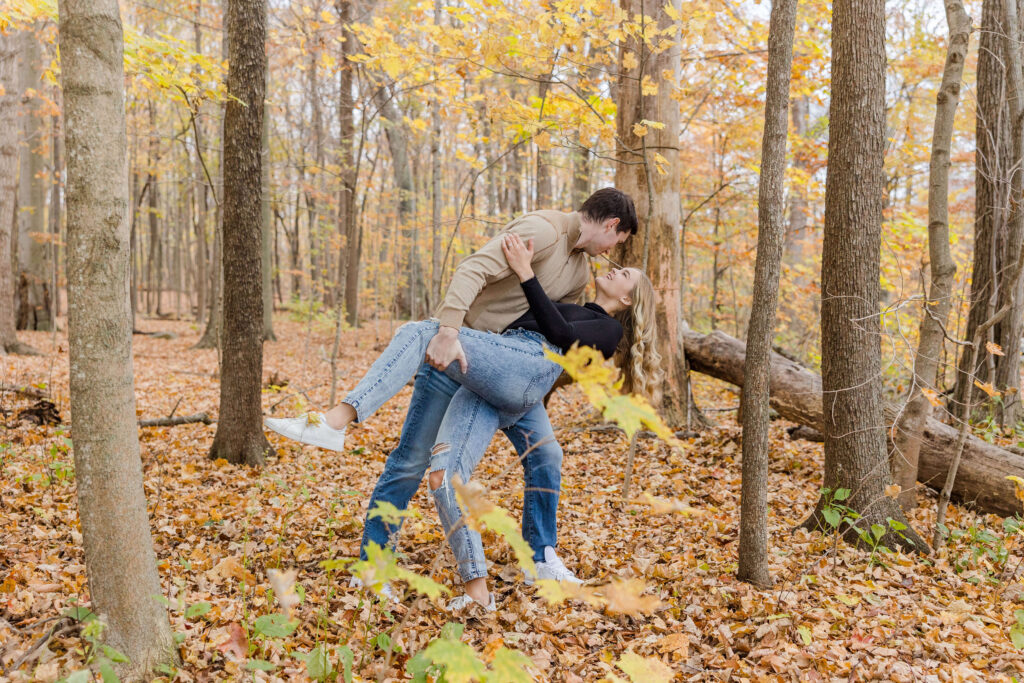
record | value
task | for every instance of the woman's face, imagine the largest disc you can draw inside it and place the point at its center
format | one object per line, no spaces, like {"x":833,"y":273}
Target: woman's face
{"x":618,"y":283}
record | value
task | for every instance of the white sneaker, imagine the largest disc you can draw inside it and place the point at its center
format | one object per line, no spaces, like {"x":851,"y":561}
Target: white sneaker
{"x":464,"y":601}
{"x":551,"y":568}
{"x":385,"y":590}
{"x":311,"y":429}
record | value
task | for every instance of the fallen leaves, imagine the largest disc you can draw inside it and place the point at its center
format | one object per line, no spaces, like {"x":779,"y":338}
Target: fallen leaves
{"x":660,"y":592}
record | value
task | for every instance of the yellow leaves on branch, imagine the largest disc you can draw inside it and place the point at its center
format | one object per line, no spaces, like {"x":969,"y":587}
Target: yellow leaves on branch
{"x":994,"y":349}
{"x":586,"y":366}
{"x":477,"y":511}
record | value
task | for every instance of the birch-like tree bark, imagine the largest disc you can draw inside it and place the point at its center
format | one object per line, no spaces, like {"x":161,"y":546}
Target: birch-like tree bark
{"x":908,"y":429}
{"x":123,"y":579}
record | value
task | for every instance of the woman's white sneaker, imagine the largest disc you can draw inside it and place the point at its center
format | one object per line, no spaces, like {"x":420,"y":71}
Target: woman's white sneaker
{"x":551,"y":568}
{"x":464,"y":602}
{"x":311,"y":429}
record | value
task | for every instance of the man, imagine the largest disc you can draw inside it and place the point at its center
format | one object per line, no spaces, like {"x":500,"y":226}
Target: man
{"x":485,"y":295}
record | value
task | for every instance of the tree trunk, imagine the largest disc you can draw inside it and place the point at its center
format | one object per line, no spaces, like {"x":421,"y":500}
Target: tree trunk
{"x":8,"y":192}
{"x":240,"y":438}
{"x":796,"y":395}
{"x":1011,"y":292}
{"x":55,"y":207}
{"x":991,"y":181}
{"x":652,"y":179}
{"x":266,"y":229}
{"x":855,"y":453}
{"x":435,"y":183}
{"x":119,"y":557}
{"x":398,"y":144}
{"x":351,"y":259}
{"x":35,"y":305}
{"x":906,"y":434}
{"x":753,"y":550}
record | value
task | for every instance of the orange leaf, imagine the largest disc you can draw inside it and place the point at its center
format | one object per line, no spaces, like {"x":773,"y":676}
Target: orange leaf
{"x":994,"y":349}
{"x":987,"y":388}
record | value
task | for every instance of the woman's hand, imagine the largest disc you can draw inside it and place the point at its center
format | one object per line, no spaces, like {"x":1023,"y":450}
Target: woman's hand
{"x":519,"y":255}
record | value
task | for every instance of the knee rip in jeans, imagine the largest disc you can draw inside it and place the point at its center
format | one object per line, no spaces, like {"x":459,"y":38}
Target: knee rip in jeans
{"x":437,"y":477}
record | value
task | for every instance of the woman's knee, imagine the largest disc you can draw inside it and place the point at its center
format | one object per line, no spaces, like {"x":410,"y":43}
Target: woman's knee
{"x":438,"y":465}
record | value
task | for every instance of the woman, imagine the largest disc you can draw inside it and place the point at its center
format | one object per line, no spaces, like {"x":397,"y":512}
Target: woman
{"x":507,"y":374}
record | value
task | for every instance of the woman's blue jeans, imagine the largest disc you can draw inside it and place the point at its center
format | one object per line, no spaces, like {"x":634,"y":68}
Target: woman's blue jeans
{"x":511,"y":372}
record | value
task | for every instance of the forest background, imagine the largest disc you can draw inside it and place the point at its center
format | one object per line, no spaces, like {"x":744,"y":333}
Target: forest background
{"x":398,"y":137}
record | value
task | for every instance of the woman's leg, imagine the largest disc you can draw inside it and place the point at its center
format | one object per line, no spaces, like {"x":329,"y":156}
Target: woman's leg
{"x":508,"y":370}
{"x":466,"y":430}
{"x":389,"y":373}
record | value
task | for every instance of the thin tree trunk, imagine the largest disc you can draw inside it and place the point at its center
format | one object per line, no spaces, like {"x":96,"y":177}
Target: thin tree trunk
{"x":855,"y":453}
{"x":119,"y":557}
{"x":909,"y":427}
{"x":55,"y":209}
{"x":753,"y":550}
{"x":9,"y":101}
{"x":240,"y":438}
{"x":398,"y":144}
{"x":435,"y":183}
{"x":266,"y":231}
{"x":992,"y":131}
{"x":35,"y":305}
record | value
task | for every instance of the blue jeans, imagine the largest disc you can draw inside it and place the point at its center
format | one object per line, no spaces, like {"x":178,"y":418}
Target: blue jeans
{"x":508,"y":369}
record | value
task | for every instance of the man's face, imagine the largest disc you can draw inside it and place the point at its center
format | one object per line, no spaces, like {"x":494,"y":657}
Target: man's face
{"x":606,"y":238}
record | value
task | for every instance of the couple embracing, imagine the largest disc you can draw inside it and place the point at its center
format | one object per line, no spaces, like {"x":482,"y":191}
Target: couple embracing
{"x":479,"y":367}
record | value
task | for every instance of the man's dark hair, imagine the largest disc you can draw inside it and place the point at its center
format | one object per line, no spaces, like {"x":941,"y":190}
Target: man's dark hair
{"x":611,"y":203}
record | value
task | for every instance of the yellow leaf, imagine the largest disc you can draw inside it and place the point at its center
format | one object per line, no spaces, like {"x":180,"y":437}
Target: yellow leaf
{"x":932,"y":397}
{"x":479,"y":510}
{"x":893,"y":490}
{"x":644,"y":669}
{"x":1018,"y":484}
{"x":639,"y":130}
{"x":629,"y":60}
{"x":994,"y":349}
{"x":648,"y":87}
{"x":987,"y":388}
{"x":392,"y":66}
{"x":626,"y":597}
{"x":656,"y":125}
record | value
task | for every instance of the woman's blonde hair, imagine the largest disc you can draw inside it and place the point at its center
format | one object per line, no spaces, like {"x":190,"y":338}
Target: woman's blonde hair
{"x":637,"y":354}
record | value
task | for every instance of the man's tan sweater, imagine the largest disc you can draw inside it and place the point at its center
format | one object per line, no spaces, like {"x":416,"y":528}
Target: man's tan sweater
{"x":485,"y":294}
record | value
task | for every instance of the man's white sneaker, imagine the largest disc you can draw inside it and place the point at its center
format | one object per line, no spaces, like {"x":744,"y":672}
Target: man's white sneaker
{"x":551,"y":568}
{"x":311,"y":429}
{"x":464,"y":602}
{"x":385,"y":591}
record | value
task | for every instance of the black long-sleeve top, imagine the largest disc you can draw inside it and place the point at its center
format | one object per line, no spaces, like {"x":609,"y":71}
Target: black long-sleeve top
{"x":565,"y":324}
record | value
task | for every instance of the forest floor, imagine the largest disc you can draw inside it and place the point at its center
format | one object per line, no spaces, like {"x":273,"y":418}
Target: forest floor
{"x":834,"y":613}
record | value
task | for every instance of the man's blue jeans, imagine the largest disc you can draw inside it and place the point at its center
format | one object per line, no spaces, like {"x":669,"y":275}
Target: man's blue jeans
{"x":406,"y":466}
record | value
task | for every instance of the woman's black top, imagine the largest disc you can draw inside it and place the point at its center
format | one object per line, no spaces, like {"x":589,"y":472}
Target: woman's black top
{"x":565,"y":324}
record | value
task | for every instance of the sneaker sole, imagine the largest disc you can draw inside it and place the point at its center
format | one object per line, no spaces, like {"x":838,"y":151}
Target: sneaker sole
{"x":307,"y":439}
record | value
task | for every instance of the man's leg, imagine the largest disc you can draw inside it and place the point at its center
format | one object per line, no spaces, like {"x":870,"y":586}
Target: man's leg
{"x":541,"y":456}
{"x":407,"y":464}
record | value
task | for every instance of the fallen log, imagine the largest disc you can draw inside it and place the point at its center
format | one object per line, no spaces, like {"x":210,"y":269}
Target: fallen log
{"x":796,"y":395}
{"x":174,"y":421}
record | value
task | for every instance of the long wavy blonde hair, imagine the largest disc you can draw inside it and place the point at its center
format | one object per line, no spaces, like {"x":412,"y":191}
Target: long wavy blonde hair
{"x":637,"y":354}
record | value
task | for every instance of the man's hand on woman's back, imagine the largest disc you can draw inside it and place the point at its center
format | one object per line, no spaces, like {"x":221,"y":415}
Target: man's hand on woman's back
{"x":445,"y":348}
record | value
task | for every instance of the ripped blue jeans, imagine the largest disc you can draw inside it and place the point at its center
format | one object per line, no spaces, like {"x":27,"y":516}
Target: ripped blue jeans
{"x":511,"y":371}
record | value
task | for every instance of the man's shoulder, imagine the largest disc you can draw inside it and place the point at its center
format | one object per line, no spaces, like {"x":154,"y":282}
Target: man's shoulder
{"x":560,"y":221}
